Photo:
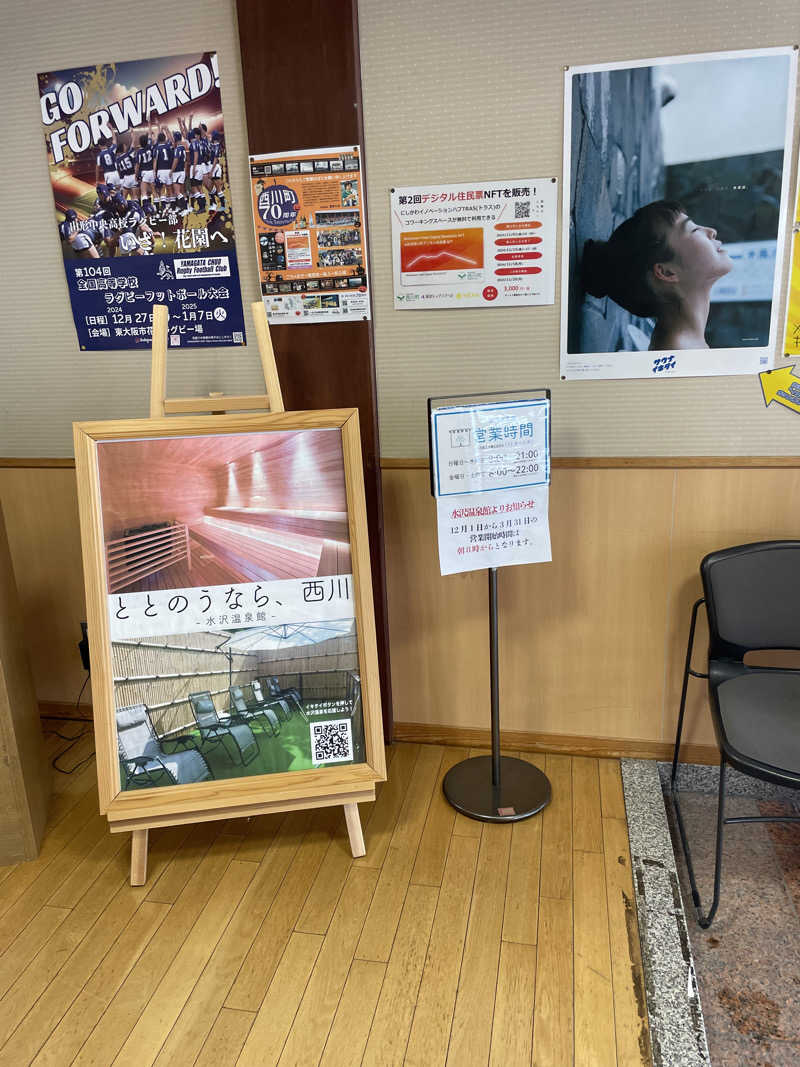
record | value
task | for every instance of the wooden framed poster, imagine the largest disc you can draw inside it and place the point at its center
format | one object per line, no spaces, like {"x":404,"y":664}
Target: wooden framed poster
{"x":231,"y":627}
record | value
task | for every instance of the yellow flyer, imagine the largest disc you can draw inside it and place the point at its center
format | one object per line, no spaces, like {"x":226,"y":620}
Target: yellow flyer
{"x":310,"y":235}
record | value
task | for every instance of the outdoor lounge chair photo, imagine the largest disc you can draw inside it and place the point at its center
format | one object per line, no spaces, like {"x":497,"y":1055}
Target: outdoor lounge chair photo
{"x":216,"y":731}
{"x":253,"y":712}
{"x":255,"y":691}
{"x":143,"y":760}
{"x":274,"y":689}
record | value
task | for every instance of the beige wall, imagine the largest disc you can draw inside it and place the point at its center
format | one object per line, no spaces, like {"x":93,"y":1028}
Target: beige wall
{"x":462,"y":90}
{"x":454,"y":90}
{"x":46,"y":383}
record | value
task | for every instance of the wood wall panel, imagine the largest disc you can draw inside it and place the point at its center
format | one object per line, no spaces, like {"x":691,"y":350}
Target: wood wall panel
{"x":439,"y":629}
{"x":41,"y":511}
{"x":582,"y":638}
{"x":24,"y":774}
{"x":592,"y":644}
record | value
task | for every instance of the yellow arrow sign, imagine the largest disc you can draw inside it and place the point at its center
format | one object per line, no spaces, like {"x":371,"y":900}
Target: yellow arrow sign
{"x":781,"y":385}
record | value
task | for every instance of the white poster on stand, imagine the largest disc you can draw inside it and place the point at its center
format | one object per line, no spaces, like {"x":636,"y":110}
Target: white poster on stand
{"x":491,"y":473}
{"x":474,"y":244}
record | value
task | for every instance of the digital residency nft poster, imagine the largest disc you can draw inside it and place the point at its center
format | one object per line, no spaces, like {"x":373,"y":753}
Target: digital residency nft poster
{"x":474,"y":244}
{"x":139,"y":173}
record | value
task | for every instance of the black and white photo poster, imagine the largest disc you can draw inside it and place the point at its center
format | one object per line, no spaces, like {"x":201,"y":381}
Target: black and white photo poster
{"x":675,"y":214}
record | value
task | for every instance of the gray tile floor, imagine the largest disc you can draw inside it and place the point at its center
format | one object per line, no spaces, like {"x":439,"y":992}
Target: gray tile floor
{"x":729,"y":995}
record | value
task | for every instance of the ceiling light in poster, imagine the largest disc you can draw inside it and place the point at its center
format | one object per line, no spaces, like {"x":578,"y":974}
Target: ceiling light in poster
{"x":139,"y":172}
{"x":310,"y":235}
{"x":474,"y":244}
{"x":675,"y":214}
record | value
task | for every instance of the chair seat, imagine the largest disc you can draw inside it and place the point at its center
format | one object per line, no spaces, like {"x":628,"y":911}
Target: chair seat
{"x":244,"y":736}
{"x":760,"y":715}
{"x":186,"y":766}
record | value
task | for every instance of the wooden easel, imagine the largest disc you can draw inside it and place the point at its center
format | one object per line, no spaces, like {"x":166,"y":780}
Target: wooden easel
{"x":218,"y":404}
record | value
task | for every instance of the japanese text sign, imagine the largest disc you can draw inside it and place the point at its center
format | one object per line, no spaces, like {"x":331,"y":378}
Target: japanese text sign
{"x":490,"y":466}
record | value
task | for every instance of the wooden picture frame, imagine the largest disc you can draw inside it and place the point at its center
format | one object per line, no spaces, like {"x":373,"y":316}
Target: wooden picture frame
{"x":138,"y":809}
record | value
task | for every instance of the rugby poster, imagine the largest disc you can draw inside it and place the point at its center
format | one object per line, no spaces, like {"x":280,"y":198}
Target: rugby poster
{"x":139,"y":172}
{"x":310,"y":236}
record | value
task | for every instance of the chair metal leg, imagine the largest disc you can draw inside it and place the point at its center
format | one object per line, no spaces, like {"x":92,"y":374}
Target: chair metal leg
{"x":704,"y":921}
{"x":687,"y":670}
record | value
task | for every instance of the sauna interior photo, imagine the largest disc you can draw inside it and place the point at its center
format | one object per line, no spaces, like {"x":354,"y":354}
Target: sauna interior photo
{"x":400,"y":534}
{"x":232,"y":509}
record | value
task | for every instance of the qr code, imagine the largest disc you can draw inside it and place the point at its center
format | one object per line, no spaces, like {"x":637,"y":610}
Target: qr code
{"x":522,"y":209}
{"x":237,"y":337}
{"x":174,"y":339}
{"x":331,"y":741}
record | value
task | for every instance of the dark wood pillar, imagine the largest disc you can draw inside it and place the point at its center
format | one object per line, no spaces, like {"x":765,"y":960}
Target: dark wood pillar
{"x":302,"y":89}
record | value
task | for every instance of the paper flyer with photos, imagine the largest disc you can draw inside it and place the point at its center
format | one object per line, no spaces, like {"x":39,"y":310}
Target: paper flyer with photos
{"x":474,"y":244}
{"x":310,"y":235}
{"x":139,"y":171}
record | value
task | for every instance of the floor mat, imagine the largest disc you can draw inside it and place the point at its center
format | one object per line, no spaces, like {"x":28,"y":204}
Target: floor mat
{"x":748,"y":962}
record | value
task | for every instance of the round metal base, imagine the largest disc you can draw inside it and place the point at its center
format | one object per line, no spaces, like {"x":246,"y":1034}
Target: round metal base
{"x":523,"y":789}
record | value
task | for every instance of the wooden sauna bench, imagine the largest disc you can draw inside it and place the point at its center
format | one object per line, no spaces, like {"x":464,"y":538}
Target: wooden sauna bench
{"x":326,"y":525}
{"x":281,"y":557}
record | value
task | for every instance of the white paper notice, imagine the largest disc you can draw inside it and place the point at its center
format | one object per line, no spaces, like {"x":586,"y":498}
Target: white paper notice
{"x":491,"y":470}
{"x":474,"y":244}
{"x":497,"y":529}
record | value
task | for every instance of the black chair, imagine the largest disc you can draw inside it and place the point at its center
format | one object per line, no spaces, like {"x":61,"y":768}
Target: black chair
{"x":255,"y":698}
{"x":752,"y":598}
{"x":215,"y":731}
{"x":143,"y":759}
{"x":243,"y":712}
{"x":277,"y":693}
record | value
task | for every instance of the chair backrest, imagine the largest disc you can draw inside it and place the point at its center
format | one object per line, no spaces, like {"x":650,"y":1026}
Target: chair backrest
{"x":135,"y":735}
{"x":753,"y":598}
{"x":273,"y":685}
{"x":258,"y":692}
{"x":203,"y":707}
{"x":237,"y":696}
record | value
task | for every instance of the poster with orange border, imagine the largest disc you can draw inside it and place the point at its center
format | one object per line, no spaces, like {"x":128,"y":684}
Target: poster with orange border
{"x":474,"y":244}
{"x":310,"y":235}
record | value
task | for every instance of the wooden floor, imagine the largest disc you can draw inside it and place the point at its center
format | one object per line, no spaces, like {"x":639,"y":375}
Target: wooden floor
{"x":262,"y":942}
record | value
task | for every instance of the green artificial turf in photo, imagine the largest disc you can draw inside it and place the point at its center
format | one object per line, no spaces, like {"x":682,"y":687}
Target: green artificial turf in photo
{"x":289,"y":750}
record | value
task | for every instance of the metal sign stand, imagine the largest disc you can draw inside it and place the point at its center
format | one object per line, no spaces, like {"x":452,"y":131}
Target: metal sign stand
{"x":494,"y":788}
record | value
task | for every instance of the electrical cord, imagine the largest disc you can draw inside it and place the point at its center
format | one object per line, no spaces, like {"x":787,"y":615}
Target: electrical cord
{"x":73,"y":740}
